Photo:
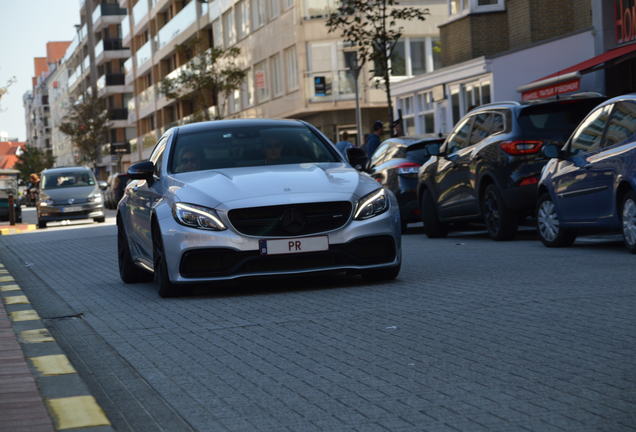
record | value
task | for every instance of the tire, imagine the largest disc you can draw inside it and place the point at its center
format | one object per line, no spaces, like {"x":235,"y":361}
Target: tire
{"x":100,"y":219}
{"x":501,"y":222}
{"x":128,"y":271}
{"x":161,"y":276}
{"x":383,"y":274}
{"x":433,"y":227}
{"x":41,"y":224}
{"x":628,"y":221}
{"x":404,"y":227}
{"x":548,"y":225}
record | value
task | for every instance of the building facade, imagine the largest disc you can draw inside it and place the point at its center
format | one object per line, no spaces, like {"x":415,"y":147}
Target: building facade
{"x":294,"y":67}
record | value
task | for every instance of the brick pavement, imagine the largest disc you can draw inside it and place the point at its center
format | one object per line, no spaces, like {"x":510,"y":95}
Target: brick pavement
{"x":475,"y":335}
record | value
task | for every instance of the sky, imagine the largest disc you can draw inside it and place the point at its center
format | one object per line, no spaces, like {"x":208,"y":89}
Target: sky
{"x":25,"y":28}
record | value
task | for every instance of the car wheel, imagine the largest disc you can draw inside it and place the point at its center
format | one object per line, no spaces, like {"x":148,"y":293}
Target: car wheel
{"x":100,"y":219}
{"x":383,"y":274}
{"x":548,"y":226}
{"x":41,"y":224}
{"x":128,"y":271}
{"x":162,"y":278}
{"x":628,"y":215}
{"x":433,"y":227}
{"x":404,"y":226}
{"x":501,"y":222}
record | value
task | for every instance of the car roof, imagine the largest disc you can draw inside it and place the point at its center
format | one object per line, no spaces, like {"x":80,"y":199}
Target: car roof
{"x":415,"y":139}
{"x":533,"y":103}
{"x":219,"y":124}
{"x":64,"y":169}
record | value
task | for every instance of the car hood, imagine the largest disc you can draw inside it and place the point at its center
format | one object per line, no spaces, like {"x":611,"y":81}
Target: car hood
{"x":61,"y":194}
{"x":271,"y":185}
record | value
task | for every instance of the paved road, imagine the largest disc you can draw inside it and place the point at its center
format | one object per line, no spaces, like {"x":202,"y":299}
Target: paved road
{"x":474,"y":336}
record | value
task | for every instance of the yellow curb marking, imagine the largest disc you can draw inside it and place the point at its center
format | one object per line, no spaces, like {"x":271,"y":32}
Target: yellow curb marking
{"x":5,"y":288}
{"x":20,"y":299}
{"x":6,"y":279}
{"x":36,"y":336}
{"x":77,"y":412}
{"x":24,"y":315}
{"x":53,"y":365}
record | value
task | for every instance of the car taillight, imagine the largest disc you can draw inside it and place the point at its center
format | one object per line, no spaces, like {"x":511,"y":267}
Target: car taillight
{"x":521,"y":147}
{"x":529,"y":181}
{"x":408,"y":168}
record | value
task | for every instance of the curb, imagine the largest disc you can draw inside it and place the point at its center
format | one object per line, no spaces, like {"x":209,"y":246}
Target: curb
{"x":67,"y":398}
{"x":17,"y":229}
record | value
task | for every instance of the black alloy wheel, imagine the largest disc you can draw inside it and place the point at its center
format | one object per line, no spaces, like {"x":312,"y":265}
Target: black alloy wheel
{"x":433,"y":227}
{"x":128,"y":271}
{"x":500,"y":221}
{"x":162,"y":278}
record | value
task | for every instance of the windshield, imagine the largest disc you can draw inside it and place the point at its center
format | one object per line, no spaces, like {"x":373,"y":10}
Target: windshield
{"x":248,"y":146}
{"x":64,"y":179}
{"x":555,"y":120}
{"x":8,"y":182}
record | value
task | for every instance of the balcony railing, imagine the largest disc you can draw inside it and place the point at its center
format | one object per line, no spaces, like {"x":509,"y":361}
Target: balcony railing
{"x":128,"y":66}
{"x":139,"y":11}
{"x":143,"y":54}
{"x":118,"y":114}
{"x":146,"y":97}
{"x":318,"y":8}
{"x":116,"y":79}
{"x":125,"y":27}
{"x":177,"y":24}
{"x":107,"y":9}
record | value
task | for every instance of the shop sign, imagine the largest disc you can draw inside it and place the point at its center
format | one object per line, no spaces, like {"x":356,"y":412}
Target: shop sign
{"x":625,"y":21}
{"x":552,"y":90}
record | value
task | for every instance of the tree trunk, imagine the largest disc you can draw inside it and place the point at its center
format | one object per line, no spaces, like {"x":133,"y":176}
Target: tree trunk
{"x":387,"y":88}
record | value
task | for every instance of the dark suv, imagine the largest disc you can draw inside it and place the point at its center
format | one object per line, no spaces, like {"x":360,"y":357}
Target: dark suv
{"x":489,"y":166}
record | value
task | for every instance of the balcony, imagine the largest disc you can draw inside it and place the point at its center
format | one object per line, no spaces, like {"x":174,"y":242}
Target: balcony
{"x":140,"y":14}
{"x":146,"y":101}
{"x":314,"y":9}
{"x":110,"y":49}
{"x":178,"y":24}
{"x":118,"y":114}
{"x":112,"y":84}
{"x":106,"y":14}
{"x":143,"y":56}
{"x":128,"y":71}
{"x":125,"y":31}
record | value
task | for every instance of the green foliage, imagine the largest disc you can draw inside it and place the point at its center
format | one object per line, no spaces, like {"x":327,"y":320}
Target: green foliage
{"x":88,"y":127}
{"x":208,"y":75}
{"x":32,"y":160}
{"x":372,"y":28}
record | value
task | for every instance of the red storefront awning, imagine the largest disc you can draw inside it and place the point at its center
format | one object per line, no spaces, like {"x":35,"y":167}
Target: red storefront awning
{"x":568,"y":79}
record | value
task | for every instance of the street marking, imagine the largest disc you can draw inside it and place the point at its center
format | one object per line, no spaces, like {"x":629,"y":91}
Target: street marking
{"x":20,"y":230}
{"x":53,"y":365}
{"x":6,"y":279}
{"x":13,"y":300}
{"x":13,"y":287}
{"x":36,"y":336}
{"x":24,"y":315}
{"x":77,"y":412}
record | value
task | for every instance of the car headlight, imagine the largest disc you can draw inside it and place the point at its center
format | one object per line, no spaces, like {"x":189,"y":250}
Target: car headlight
{"x":97,"y":198}
{"x":46,"y":202}
{"x":197,"y":217}
{"x":372,"y":205}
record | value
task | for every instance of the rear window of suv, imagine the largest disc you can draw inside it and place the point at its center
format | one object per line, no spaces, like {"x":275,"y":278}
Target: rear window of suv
{"x":555,"y":120}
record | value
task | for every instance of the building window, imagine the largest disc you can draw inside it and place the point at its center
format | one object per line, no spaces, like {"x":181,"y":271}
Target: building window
{"x":258,"y":13}
{"x":217,"y":34}
{"x":413,"y":56}
{"x":462,"y":7}
{"x":242,"y":19}
{"x":277,"y":74}
{"x":229,"y":35}
{"x":469,"y":95}
{"x":261,"y":82}
{"x":287,"y":4}
{"x":328,"y":73}
{"x":274,"y":9}
{"x":291,"y":66}
{"x":247,"y":94}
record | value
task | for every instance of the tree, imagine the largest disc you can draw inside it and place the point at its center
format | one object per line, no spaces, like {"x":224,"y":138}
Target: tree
{"x":371,"y":27}
{"x":87,"y":125}
{"x":208,"y":75}
{"x":33,"y":160}
{"x":5,"y":89}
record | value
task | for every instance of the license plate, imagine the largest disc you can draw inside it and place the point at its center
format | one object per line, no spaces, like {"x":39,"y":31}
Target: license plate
{"x":71,"y":209}
{"x":293,"y":246}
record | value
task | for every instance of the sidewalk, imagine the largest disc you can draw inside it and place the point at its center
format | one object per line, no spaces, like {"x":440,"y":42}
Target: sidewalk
{"x":39,"y":388}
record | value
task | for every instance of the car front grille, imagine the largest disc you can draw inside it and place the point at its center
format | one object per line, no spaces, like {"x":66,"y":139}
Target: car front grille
{"x":219,"y":262}
{"x":291,"y":220}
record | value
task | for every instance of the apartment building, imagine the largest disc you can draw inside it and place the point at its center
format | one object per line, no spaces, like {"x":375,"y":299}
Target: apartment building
{"x":490,"y":49}
{"x":294,"y":67}
{"x":59,"y":103}
{"x":36,"y":101}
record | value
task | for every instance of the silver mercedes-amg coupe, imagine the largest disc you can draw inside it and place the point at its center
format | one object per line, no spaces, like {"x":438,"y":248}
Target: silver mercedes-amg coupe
{"x":242,"y":198}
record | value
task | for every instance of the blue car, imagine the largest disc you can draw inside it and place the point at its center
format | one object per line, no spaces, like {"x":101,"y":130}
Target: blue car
{"x":589,"y":185}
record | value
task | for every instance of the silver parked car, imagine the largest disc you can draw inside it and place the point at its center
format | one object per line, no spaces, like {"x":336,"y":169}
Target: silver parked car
{"x":240,"y":198}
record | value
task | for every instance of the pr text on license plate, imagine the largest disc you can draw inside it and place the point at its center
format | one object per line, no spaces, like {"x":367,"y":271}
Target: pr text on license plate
{"x":293,"y":246}
{"x":71,"y":209}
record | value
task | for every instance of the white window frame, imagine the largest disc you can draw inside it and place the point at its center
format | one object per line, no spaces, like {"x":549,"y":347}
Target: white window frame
{"x":276,"y":72}
{"x":429,"y":61}
{"x":472,"y":6}
{"x":229,"y":28}
{"x":242,"y":16}
{"x":259,"y":13}
{"x":217,"y":33}
{"x":291,"y":68}
{"x":274,"y":9}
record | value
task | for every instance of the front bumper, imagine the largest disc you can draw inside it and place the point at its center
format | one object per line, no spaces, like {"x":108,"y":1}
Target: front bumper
{"x":194,"y":255}
{"x":70,"y":212}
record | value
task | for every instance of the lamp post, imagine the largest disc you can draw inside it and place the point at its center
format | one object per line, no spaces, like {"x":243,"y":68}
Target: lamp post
{"x":355,"y":68}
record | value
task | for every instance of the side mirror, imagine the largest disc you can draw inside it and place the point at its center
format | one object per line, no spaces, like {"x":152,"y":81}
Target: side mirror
{"x":141,"y":170}
{"x":433,"y":149}
{"x":552,"y":151}
{"x":358,"y":158}
{"x":102,"y":185}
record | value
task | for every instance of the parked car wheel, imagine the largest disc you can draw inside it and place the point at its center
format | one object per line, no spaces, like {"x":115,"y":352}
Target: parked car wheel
{"x":128,"y":271}
{"x":501,"y":222}
{"x":100,"y":219}
{"x":628,"y":215}
{"x":548,"y":226}
{"x":41,"y":224}
{"x":383,"y":274}
{"x":166,"y":287}
{"x":433,"y":227}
